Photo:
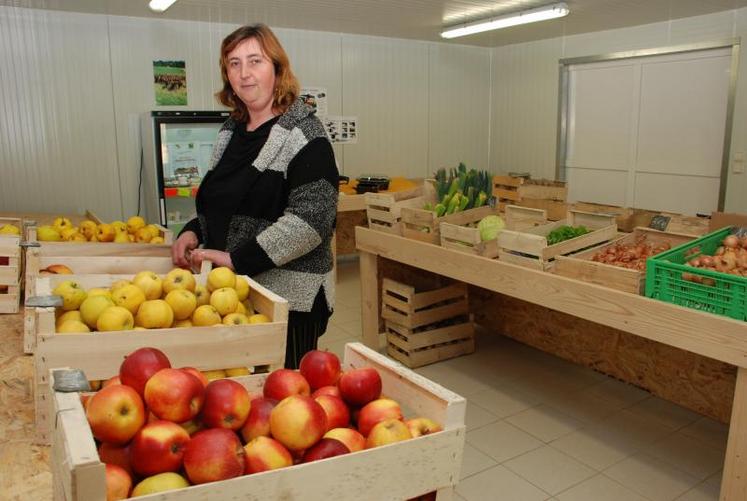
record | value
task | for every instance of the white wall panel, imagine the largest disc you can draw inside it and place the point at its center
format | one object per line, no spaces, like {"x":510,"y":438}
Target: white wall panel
{"x":601,"y":186}
{"x":56,"y":118}
{"x":717,"y":26}
{"x":693,"y":195}
{"x":459,"y":111}
{"x":602,"y":42}
{"x":736,"y":188}
{"x":385,"y":84}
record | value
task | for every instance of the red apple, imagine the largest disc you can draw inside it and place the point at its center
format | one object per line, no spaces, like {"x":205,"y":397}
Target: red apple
{"x":265,"y":453}
{"x":320,"y":368}
{"x":116,"y":454}
{"x":377,"y":411}
{"x":257,"y":424}
{"x":283,"y":383}
{"x":199,"y":375}
{"x":360,"y":386}
{"x":118,"y":483}
{"x":227,"y":405}
{"x":298,"y":422}
{"x":214,"y":454}
{"x":325,"y":448}
{"x":387,"y":432}
{"x":192,"y":426}
{"x":348,"y":436}
{"x":140,"y":365}
{"x":115,"y":414}
{"x":174,"y":395}
{"x":158,"y":447}
{"x":327,"y":390}
{"x":338,"y":415}
{"x":422,"y":426}
{"x":111,"y":381}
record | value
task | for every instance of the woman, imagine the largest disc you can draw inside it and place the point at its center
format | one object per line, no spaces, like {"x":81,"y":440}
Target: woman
{"x":267,"y":206}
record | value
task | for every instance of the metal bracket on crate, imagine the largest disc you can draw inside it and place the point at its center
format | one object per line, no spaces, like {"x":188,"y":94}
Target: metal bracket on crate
{"x":44,"y":301}
{"x":70,"y":380}
{"x":26,"y":244}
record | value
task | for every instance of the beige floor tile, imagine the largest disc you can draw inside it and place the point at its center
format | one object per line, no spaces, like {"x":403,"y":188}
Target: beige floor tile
{"x":478,"y":417}
{"x":499,"y":484}
{"x":688,"y":454}
{"x":595,"y":448}
{"x":504,"y":401}
{"x":599,"y":488}
{"x":618,"y":393}
{"x":633,"y":428}
{"x":704,"y":491}
{"x":334,"y":333}
{"x":664,"y":412}
{"x":583,"y":406}
{"x":463,"y":384}
{"x":502,"y":441}
{"x":344,"y":314}
{"x":474,"y":461}
{"x":337,"y":346}
{"x":709,"y":431}
{"x":549,"y":469}
{"x":651,"y":477}
{"x":353,"y":328}
{"x":544,"y":422}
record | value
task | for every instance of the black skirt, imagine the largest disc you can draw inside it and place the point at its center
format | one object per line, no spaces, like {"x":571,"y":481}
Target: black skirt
{"x":304,"y":330}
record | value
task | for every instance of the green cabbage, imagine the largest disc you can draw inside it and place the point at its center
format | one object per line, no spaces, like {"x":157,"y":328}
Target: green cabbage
{"x":490,"y":226}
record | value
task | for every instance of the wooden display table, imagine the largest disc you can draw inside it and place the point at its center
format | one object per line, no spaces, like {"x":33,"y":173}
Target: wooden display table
{"x":716,"y":337}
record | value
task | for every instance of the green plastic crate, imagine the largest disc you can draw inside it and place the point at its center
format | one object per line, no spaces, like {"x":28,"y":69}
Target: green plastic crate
{"x":728,"y":294}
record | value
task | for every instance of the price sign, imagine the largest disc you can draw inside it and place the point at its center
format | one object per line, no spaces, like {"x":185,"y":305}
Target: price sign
{"x":659,"y":222}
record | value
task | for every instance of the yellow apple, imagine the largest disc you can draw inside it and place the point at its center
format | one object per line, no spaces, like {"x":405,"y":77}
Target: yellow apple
{"x":121,"y":237}
{"x":119,"y":284}
{"x":150,"y":283}
{"x":119,"y":226}
{"x":143,"y":236}
{"x":221,"y":277}
{"x":202,"y":295}
{"x":68,"y":315}
{"x":154,"y":314}
{"x":238,"y":371}
{"x":73,"y":327}
{"x":92,"y":307}
{"x":10,"y":229}
{"x":205,"y":315}
{"x":159,"y":483}
{"x":78,"y":237}
{"x":62,"y":223}
{"x":214,"y":374}
{"x":240,"y":308}
{"x":129,"y":296}
{"x":68,"y":232}
{"x":99,"y":291}
{"x":154,"y":230}
{"x":157,"y":240}
{"x":134,"y":224}
{"x":259,"y":318}
{"x":72,"y":294}
{"x":182,"y":323}
{"x":183,"y":302}
{"x":179,"y":278}
{"x":105,"y":232}
{"x":48,"y":234}
{"x":242,"y":287}
{"x":248,"y":306}
{"x":88,"y":228}
{"x":235,"y":319}
{"x":115,"y":318}
{"x":224,"y":300}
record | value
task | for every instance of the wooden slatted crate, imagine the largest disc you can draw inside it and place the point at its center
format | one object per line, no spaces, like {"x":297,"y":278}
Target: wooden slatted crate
{"x":456,"y":235}
{"x":11,"y":265}
{"x":411,"y":468}
{"x":383,"y":210}
{"x":425,"y":327}
{"x":205,"y":348}
{"x":581,"y":267}
{"x":627,"y":218}
{"x":506,"y":190}
{"x":530,"y":248}
{"x":425,"y":226}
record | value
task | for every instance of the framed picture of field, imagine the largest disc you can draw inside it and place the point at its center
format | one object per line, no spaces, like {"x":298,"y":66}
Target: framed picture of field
{"x":170,"y":82}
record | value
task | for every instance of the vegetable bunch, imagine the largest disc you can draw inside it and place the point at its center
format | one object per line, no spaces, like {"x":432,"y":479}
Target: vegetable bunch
{"x":460,"y":189}
{"x":565,"y":232}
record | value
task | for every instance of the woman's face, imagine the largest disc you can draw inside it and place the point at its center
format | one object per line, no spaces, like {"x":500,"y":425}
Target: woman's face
{"x":251,"y":75}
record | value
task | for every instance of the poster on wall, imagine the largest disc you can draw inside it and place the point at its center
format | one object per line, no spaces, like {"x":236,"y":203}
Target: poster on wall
{"x":342,"y":130}
{"x":316,"y":97}
{"x":170,"y":82}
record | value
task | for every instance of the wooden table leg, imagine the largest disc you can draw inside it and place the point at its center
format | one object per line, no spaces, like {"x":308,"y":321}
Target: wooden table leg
{"x":734,"y":481}
{"x":369,"y":299}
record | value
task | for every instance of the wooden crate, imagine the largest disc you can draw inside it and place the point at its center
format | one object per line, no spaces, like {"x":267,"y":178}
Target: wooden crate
{"x":688,"y":225}
{"x":423,"y":225}
{"x":206,"y":348}
{"x":88,"y":259}
{"x":530,"y":248}
{"x":543,"y":189}
{"x":581,"y":267}
{"x":506,"y":190}
{"x":418,"y":348}
{"x":627,"y":218}
{"x":556,"y":209}
{"x":411,"y":468}
{"x":383,"y":210}
{"x":11,"y":265}
{"x":456,"y":235}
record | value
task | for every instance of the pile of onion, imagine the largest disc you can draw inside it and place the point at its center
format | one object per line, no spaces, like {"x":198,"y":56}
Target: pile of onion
{"x":631,"y":256}
{"x":730,"y":257}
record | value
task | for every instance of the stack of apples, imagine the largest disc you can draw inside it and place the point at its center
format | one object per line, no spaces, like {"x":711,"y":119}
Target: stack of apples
{"x":161,"y":428}
{"x":149,"y":301}
{"x":135,"y":230}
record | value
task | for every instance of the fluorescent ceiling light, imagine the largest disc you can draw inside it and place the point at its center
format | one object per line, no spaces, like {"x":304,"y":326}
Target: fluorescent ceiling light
{"x":160,"y":5}
{"x":523,"y":17}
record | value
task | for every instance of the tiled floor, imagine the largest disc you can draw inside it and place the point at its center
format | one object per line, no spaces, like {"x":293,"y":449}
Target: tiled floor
{"x":541,"y":428}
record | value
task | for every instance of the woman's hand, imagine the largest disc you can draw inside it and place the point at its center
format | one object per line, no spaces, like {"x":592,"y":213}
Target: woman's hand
{"x":182,"y":248}
{"x":218,"y":258}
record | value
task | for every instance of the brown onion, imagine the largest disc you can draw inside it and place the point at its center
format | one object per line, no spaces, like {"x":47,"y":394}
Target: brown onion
{"x":731,"y":241}
{"x":707,"y":262}
{"x":720,"y":251}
